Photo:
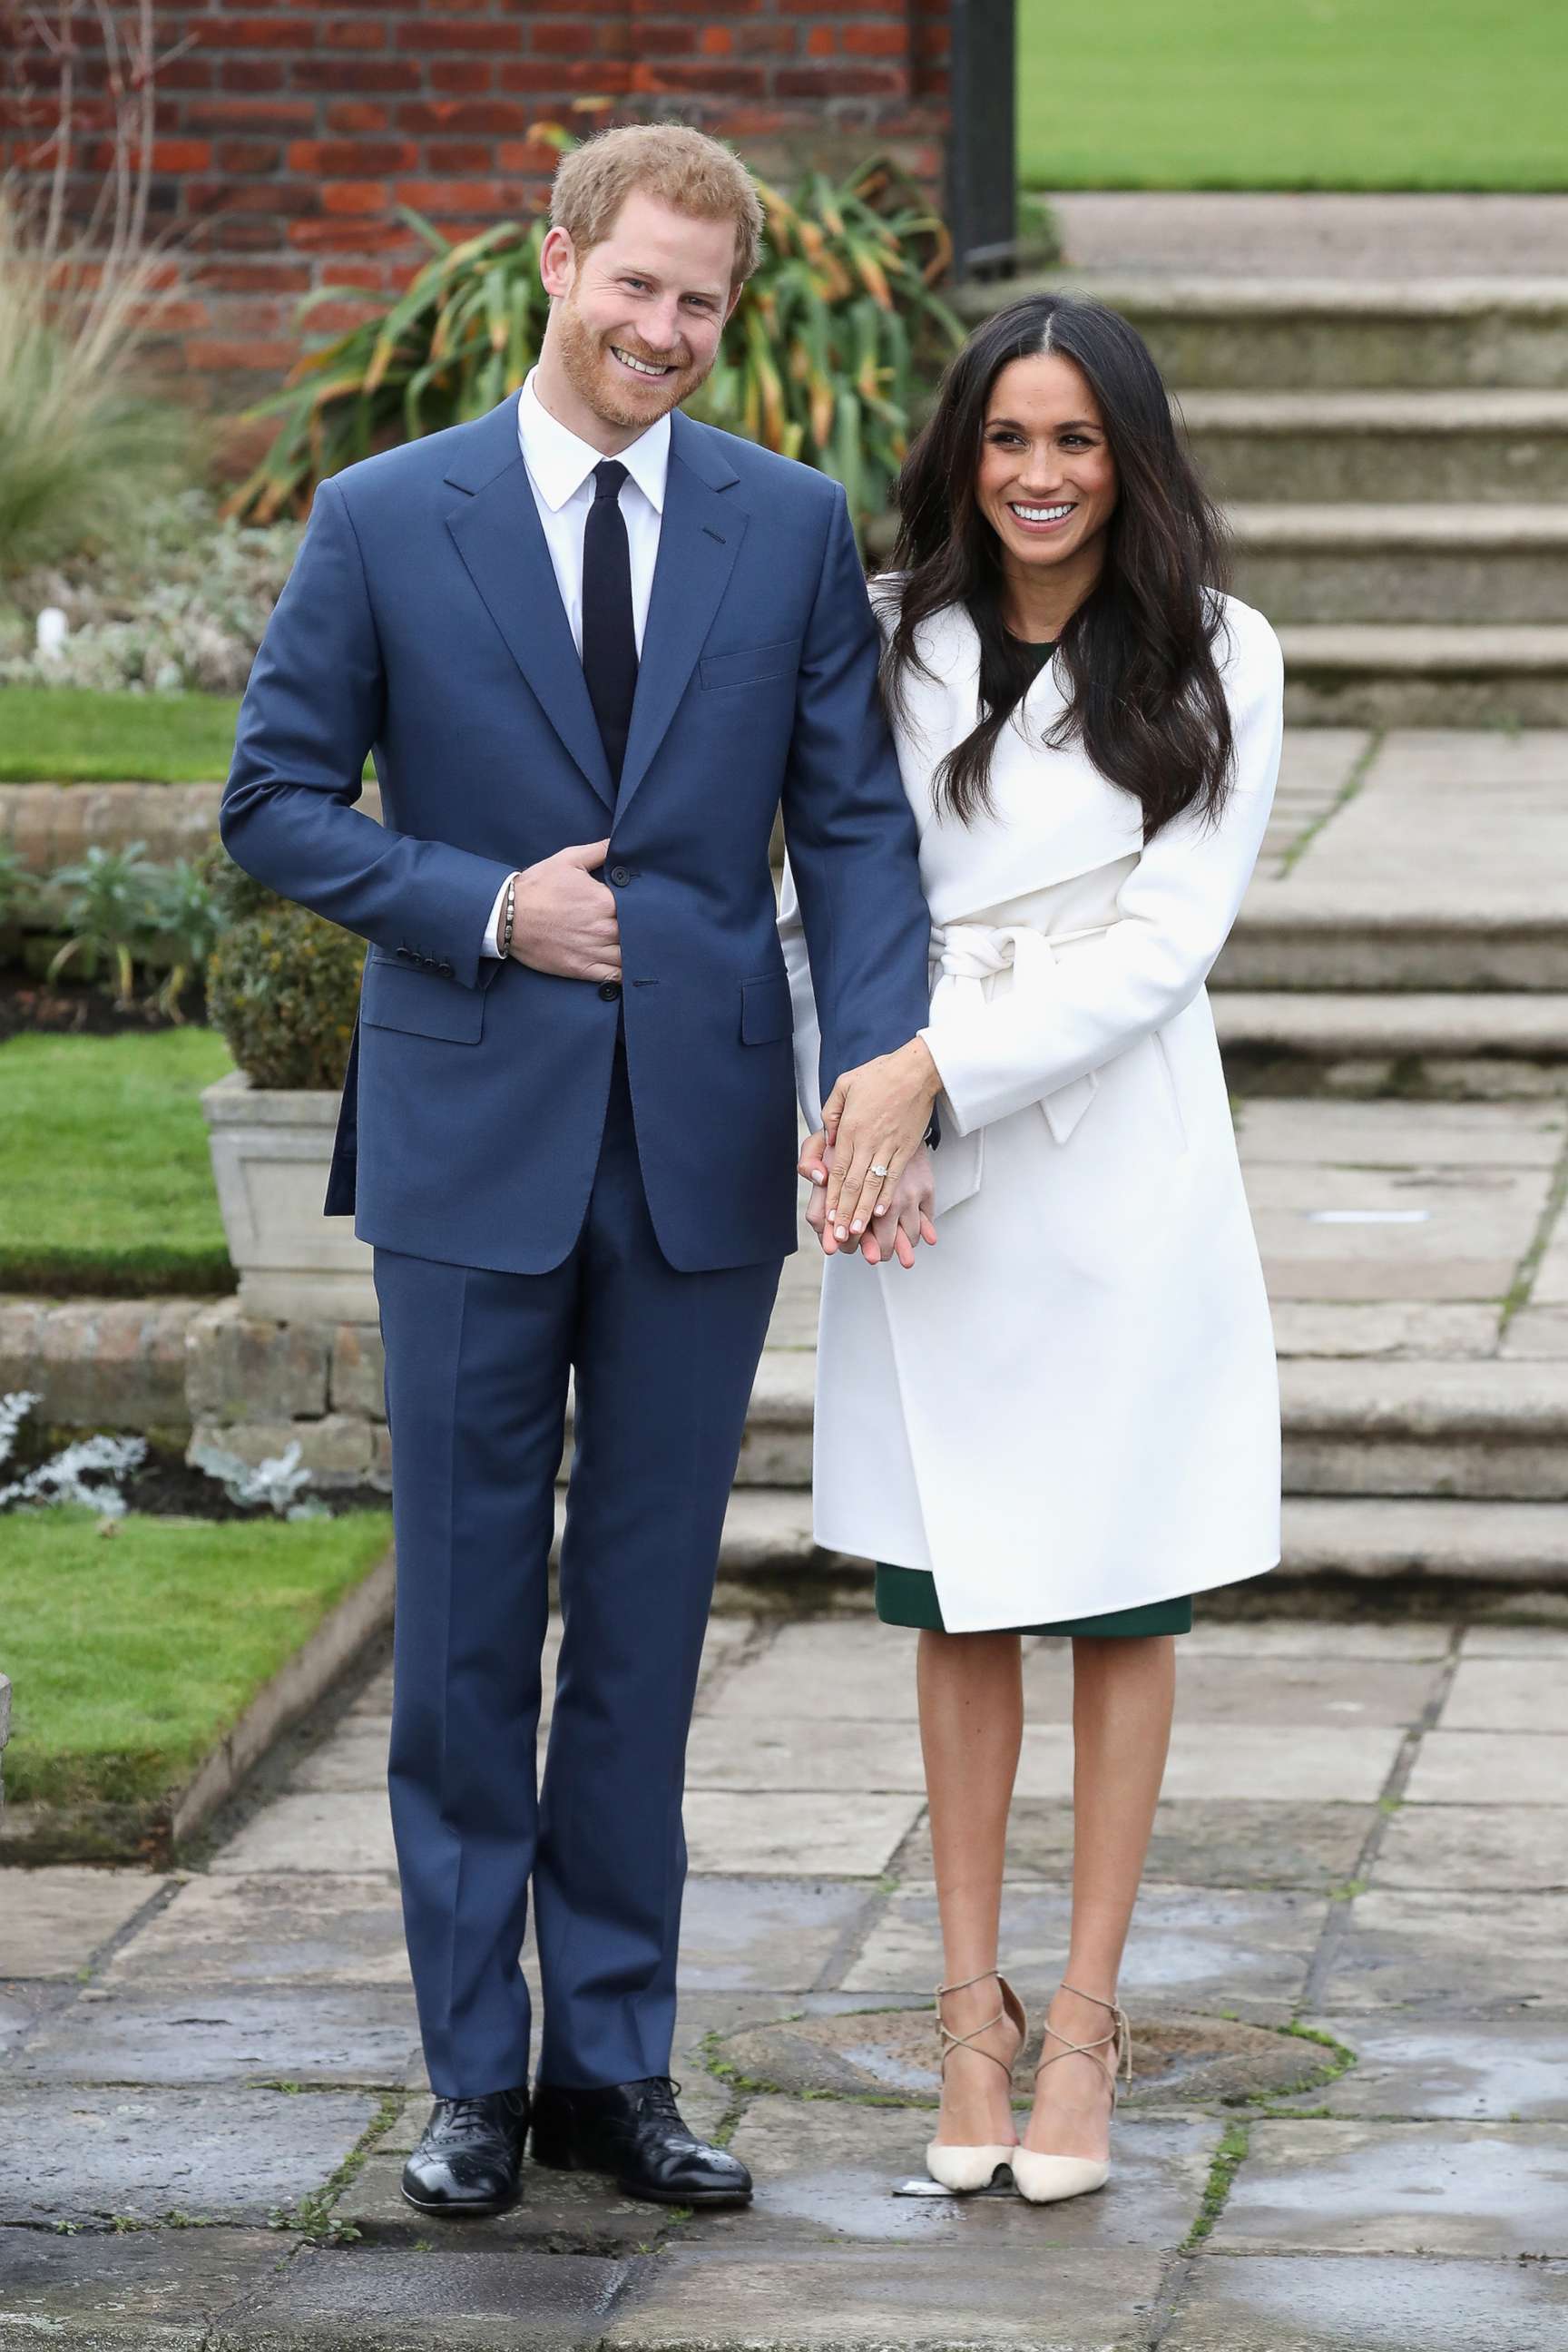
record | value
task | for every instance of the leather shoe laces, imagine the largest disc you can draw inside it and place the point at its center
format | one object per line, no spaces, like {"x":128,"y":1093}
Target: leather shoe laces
{"x":660,"y":2092}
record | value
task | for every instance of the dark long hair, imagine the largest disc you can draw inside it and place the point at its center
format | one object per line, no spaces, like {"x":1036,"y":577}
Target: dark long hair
{"x":1144,"y":695}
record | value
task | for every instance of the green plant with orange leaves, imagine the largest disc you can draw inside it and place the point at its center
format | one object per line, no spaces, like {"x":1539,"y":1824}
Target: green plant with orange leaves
{"x":824,"y":359}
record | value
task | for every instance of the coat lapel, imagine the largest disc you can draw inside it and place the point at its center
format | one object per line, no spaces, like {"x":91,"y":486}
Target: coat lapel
{"x":699,"y":538}
{"x":498,"y":533}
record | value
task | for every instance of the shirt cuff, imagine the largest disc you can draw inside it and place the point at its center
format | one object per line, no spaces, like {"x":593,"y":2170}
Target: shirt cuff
{"x":489,"y":947}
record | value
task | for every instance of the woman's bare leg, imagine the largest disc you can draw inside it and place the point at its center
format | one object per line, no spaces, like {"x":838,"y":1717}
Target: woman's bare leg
{"x":972,"y":1724}
{"x":1123,"y":1693}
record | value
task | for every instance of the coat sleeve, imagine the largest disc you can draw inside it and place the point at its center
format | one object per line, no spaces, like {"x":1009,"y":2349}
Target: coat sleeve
{"x":313,"y":708}
{"x":854,"y":849}
{"x":1177,"y":909}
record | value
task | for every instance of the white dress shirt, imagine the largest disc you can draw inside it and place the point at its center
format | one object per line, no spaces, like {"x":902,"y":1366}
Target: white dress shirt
{"x":561,"y":475}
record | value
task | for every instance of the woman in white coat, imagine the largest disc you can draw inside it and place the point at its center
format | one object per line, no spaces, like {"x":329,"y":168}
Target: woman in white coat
{"x":1063,"y":1417}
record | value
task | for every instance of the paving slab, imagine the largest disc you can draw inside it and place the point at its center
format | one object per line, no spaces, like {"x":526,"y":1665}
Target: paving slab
{"x":1315,"y":1637}
{"x":852,"y":1667}
{"x":852,"y":2299}
{"x":52,"y":1921}
{"x":1468,"y":1230}
{"x":152,"y":2286}
{"x":1504,"y":1640}
{"x":778,"y":1935}
{"x":1524,"y":1694}
{"x":1344,"y":1766}
{"x":1500,"y":2190}
{"x":1190,"y":1946}
{"x":804,"y":1752}
{"x":346,"y":1834}
{"x":1197,"y":1842}
{"x":1483,"y":1848}
{"x":21,"y":2006}
{"x":95,"y":2154}
{"x":1489,"y":2070}
{"x":1501,"y":1768}
{"x":1418,"y":1950}
{"x":1323,"y":1693}
{"x":1288,"y":2303}
{"x":753,"y":1834}
{"x":271,"y":1927}
{"x":1399,"y":1329}
{"x":353,"y":1758}
{"x":826,"y":2170}
{"x":312,"y":2035}
{"x":375,"y":2298}
{"x":1401,"y":1133}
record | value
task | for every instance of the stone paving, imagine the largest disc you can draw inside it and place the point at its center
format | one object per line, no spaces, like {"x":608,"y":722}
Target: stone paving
{"x":1363,"y":1837}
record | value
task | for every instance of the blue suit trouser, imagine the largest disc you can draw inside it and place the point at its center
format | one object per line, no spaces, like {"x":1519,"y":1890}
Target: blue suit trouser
{"x":477,"y":1367}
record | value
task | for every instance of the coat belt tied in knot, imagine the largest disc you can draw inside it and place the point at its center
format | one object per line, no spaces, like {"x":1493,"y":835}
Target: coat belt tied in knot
{"x":969,"y":954}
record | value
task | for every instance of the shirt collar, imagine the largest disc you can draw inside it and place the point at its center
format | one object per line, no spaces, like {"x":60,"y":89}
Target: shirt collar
{"x":560,"y":463}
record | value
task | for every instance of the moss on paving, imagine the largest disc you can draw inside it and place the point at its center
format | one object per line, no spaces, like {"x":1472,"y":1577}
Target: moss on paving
{"x":132,"y":1654}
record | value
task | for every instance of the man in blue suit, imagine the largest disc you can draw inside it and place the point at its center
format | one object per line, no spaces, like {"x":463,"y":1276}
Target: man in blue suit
{"x":594,"y":647}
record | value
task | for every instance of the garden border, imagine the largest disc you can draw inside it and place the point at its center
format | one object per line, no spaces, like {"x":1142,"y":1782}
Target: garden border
{"x":153,"y":1832}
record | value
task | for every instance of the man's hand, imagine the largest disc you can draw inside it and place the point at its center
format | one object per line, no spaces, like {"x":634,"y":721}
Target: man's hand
{"x":899,"y":1232}
{"x":563,"y":920}
{"x":876,"y":1119}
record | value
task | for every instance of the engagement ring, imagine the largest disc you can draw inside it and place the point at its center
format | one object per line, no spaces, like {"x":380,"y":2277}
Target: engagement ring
{"x":878,"y":1172}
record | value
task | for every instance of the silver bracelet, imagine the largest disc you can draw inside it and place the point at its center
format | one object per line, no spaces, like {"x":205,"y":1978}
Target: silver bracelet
{"x":507,"y":913}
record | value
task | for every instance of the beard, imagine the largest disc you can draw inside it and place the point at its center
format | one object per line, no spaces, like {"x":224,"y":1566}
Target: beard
{"x":596,"y":377}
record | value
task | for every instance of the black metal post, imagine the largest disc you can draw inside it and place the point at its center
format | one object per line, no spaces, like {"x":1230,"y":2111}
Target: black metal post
{"x":983,"y":137}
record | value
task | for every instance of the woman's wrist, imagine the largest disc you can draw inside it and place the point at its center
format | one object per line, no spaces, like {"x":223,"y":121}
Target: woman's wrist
{"x":927,"y":1076}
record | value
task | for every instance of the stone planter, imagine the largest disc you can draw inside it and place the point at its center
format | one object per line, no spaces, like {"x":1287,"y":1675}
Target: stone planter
{"x":271,"y":1149}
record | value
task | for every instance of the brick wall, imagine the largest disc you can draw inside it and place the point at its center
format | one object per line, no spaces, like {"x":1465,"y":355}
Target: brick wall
{"x":288,"y":132}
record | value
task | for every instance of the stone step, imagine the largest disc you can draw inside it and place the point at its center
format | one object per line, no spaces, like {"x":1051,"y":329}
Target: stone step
{"x":768,"y":1532}
{"x":1392,"y":564}
{"x":1489,"y":447}
{"x":1484,"y":1430}
{"x":1337,"y":1025}
{"x":1299,"y":936}
{"x":1285,"y":334}
{"x":1421,"y":675}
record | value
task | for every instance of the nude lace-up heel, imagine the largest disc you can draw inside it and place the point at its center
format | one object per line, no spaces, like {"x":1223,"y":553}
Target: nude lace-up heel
{"x":964,"y":2170}
{"x":1046,"y":2179}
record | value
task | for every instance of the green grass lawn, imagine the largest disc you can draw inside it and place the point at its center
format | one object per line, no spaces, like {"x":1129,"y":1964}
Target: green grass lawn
{"x":105,"y":1181}
{"x":132,"y":1654}
{"x":1294,"y":94}
{"x":73,"y":735}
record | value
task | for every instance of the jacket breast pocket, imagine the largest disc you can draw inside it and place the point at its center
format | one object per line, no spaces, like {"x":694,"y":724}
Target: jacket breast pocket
{"x":422,"y":1004}
{"x":752,"y":665}
{"x":766,"y":1013}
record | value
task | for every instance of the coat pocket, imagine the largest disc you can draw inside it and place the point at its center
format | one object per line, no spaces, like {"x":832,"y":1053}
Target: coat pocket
{"x":752,"y":664}
{"x":422,"y":1004}
{"x":766,"y":1013}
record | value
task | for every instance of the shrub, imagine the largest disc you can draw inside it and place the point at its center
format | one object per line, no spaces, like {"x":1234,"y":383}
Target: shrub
{"x":282,"y":984}
{"x":825,"y":352}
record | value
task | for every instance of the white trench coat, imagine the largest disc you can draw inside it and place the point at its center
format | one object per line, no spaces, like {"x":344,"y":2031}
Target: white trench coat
{"x":1071,"y":1405}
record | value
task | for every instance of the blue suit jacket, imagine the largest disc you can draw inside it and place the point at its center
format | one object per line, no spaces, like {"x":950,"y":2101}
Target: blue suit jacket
{"x":422,"y":621}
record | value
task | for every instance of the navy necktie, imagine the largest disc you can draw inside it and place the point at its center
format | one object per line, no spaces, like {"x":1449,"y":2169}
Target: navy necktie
{"x":609,"y":636}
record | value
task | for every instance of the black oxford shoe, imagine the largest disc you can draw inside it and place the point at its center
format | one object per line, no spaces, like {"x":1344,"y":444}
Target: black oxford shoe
{"x":470,"y":2156}
{"x":633,"y":2132}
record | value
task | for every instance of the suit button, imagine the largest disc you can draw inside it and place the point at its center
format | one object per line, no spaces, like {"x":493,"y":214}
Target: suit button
{"x":610,"y":990}
{"x":445,"y":969}
{"x":405,"y":955}
{"x":620,"y":876}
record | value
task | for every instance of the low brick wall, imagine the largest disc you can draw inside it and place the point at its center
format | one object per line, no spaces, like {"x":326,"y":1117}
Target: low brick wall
{"x":188,"y":1371}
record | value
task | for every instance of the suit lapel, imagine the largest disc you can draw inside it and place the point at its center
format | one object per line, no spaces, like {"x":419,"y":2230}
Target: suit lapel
{"x":499,"y":535}
{"x":699,"y":538}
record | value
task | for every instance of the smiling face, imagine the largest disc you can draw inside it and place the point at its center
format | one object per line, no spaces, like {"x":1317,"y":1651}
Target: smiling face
{"x":635,"y":322}
{"x":1046,"y":479}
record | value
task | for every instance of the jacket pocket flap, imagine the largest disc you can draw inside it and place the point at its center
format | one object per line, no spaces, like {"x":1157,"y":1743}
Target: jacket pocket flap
{"x":421,"y":1003}
{"x":752,"y":664}
{"x":765,"y":1011}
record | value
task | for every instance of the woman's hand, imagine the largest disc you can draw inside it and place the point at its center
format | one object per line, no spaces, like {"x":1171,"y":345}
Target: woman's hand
{"x":876,"y":1119}
{"x":898,"y":1231}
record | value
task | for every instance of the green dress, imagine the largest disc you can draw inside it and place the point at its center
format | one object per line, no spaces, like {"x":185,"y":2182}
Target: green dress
{"x":908,"y":1596}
